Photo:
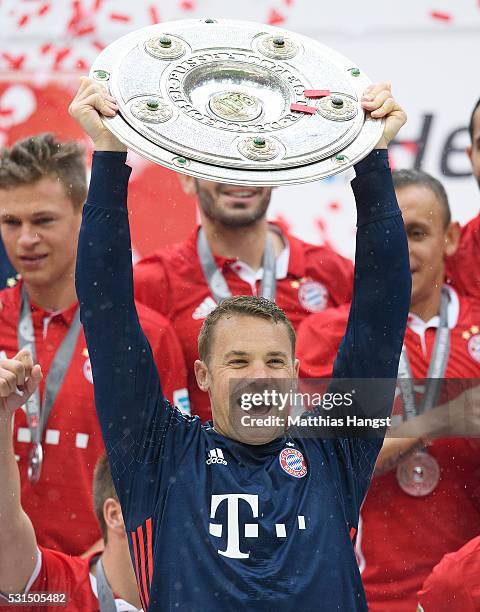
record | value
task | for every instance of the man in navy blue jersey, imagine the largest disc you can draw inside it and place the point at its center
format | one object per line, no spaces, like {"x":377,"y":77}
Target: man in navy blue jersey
{"x":221,"y":518}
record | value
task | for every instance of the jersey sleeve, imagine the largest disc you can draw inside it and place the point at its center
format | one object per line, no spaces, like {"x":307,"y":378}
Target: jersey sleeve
{"x":370,"y":349}
{"x":136,"y":419}
{"x":466,"y":258}
{"x":453,"y":586}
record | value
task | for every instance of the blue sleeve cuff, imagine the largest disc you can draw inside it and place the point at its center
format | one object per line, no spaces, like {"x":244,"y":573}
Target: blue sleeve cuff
{"x":109,"y":180}
{"x":375,"y":160}
{"x":373,"y":188}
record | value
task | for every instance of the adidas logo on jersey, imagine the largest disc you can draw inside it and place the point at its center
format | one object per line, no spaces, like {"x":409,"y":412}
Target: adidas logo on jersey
{"x":204,"y":309}
{"x":215,"y":456}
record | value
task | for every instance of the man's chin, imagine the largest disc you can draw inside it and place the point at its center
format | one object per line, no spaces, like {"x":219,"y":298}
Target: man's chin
{"x":257,"y":427}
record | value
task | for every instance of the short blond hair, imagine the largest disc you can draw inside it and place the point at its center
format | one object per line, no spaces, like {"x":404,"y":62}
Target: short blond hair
{"x":246,"y":305}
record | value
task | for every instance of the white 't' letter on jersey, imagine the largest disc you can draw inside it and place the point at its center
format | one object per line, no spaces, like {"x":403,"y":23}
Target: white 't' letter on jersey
{"x":233,"y":528}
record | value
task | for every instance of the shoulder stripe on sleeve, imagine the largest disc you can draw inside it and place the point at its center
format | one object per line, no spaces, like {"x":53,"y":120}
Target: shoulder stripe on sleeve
{"x":133,"y":535}
{"x":148,"y":526}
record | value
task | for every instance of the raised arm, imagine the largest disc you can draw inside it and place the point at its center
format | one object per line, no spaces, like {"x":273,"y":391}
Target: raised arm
{"x":373,"y":340}
{"x":128,"y":397}
{"x":18,"y":544}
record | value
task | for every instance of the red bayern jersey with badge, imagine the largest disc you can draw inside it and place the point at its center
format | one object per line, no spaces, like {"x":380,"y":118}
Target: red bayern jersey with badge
{"x":60,"y":504}
{"x":462,"y":266}
{"x":454,"y":584}
{"x":400,"y":537}
{"x":309,"y":279}
{"x":65,"y":578}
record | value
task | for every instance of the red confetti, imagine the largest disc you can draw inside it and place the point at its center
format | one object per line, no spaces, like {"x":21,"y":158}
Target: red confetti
{"x":97,"y":5}
{"x":119,"y":17}
{"x":289,"y":2}
{"x":334,"y":206}
{"x":45,"y":48}
{"x":410,"y":145}
{"x":275,"y":17}
{"x":82,"y":64}
{"x":86,"y":30}
{"x":303,"y":108}
{"x":23,"y":21}
{"x":154,"y":16}
{"x":6,"y":112}
{"x":441,"y":16}
{"x":43,"y":9}
{"x":187,"y":5}
{"x":98,"y":45}
{"x":60,"y":56}
{"x":15,"y":62}
{"x":316,"y":93}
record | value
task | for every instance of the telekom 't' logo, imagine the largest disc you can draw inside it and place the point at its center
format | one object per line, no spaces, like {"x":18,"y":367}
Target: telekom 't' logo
{"x":233,"y":526}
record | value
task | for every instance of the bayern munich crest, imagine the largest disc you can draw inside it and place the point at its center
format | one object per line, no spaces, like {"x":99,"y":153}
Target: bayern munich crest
{"x":293,"y":462}
{"x":313,"y":296}
{"x":474,"y":347}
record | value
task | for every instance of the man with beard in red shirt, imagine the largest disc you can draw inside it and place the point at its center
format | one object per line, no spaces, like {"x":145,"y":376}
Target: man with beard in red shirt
{"x":462,"y":266}
{"x":235,"y":251}
{"x":42,"y":190}
{"x":407,"y":526}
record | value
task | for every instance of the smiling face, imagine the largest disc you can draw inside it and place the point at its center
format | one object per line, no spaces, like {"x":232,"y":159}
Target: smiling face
{"x":39,"y":227}
{"x":430,"y":238}
{"x":228,"y":205}
{"x":247,"y":354}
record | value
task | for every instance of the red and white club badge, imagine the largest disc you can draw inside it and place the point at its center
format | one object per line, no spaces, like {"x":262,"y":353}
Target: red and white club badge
{"x":474,"y":347}
{"x":293,"y":462}
{"x":313,"y":296}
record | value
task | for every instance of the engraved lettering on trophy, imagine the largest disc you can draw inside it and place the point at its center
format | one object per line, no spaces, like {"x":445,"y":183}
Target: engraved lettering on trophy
{"x":235,"y":105}
{"x":232,"y":110}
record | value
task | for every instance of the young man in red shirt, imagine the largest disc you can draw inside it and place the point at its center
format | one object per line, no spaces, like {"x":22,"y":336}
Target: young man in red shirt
{"x":42,"y":190}
{"x":462,"y":266}
{"x":103,"y":582}
{"x":231,"y":247}
{"x":406,"y":529}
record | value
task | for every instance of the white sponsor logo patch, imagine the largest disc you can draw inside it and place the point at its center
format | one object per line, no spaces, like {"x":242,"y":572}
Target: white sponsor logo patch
{"x":204,"y":309}
{"x":215,"y":456}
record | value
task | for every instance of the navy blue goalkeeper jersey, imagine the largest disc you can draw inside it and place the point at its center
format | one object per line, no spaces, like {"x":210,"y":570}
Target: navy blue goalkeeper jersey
{"x":214,"y":524}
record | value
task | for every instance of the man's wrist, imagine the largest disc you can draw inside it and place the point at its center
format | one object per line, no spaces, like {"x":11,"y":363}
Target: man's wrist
{"x":109,"y":144}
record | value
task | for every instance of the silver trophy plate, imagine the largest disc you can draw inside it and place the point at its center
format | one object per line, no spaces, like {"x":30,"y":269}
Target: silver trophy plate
{"x":218,"y":99}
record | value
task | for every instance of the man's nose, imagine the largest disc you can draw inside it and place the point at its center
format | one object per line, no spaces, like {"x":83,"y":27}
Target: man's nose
{"x":259,"y":369}
{"x":28,"y":237}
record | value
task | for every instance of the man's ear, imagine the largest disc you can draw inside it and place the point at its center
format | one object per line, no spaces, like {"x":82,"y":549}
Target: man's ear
{"x":296,"y":366}
{"x":188,"y":184}
{"x":452,"y":238}
{"x":112,"y":514}
{"x":468,"y":151}
{"x":202,"y":375}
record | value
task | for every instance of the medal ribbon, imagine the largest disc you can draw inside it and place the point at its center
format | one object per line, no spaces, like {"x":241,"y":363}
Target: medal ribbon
{"x":216,"y":281}
{"x":38,"y":412}
{"x":106,"y":599}
{"x":436,"y":369}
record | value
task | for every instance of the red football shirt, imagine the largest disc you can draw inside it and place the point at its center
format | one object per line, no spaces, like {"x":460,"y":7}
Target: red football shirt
{"x":462,"y":266}
{"x":171,"y":281}
{"x":60,"y":505}
{"x":401,"y":538}
{"x":454,"y":584}
{"x":56,"y":572}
